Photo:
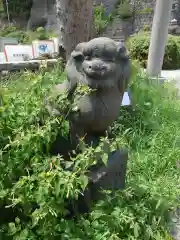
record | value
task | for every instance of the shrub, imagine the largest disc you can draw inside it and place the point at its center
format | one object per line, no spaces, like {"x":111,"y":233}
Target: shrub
{"x":138,"y":46}
{"x":101,"y":19}
{"x":125,"y":10}
{"x":146,"y":28}
{"x":36,"y":188}
{"x":8,"y":29}
{"x":40,"y":30}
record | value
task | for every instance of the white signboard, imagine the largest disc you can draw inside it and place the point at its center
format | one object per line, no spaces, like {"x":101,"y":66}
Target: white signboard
{"x":16,"y":53}
{"x":2,"y":57}
{"x":55,"y":40}
{"x":43,"y":46}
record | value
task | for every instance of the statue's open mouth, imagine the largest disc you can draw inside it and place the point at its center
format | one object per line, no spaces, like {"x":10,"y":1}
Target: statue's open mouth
{"x":96,"y":75}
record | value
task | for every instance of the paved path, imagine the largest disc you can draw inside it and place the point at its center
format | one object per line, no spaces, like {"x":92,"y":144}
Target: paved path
{"x":172,"y":75}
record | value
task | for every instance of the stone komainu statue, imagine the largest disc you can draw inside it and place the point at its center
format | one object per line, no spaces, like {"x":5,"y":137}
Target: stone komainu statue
{"x":104,"y":66}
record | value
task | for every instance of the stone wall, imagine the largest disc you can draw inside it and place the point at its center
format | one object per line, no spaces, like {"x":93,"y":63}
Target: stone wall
{"x":108,"y":4}
{"x":145,"y":14}
{"x":142,"y":20}
{"x":146,"y":18}
{"x":119,"y":30}
{"x":145,"y":8}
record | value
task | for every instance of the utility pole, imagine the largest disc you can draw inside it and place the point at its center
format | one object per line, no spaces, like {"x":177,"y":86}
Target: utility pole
{"x":159,"y":36}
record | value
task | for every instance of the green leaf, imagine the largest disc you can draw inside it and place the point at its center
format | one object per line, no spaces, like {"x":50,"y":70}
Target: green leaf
{"x":12,"y":228}
{"x":57,"y":188}
{"x":136,"y":230}
{"x":84,"y":181}
{"x":105,"y":158}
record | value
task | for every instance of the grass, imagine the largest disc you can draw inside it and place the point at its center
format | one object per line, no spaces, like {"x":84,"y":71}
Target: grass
{"x":150,"y":131}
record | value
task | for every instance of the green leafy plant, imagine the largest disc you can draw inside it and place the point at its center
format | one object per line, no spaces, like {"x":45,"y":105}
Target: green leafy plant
{"x":101,"y":19}
{"x":41,"y":33}
{"x":36,"y":186}
{"x":146,"y":28}
{"x":125,"y":10}
{"x":26,"y":36}
{"x":139,"y":43}
{"x":8,"y":29}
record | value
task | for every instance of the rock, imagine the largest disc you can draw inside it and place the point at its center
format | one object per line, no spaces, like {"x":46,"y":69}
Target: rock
{"x":38,"y":15}
{"x":43,"y":14}
{"x":106,"y":177}
{"x":111,"y":176}
{"x":51,"y":15}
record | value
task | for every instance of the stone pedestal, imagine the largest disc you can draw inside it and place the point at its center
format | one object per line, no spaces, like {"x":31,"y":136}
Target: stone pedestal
{"x":106,"y":177}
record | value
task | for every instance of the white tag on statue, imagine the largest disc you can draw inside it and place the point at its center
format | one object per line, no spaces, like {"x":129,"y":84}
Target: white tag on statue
{"x":126,"y":100}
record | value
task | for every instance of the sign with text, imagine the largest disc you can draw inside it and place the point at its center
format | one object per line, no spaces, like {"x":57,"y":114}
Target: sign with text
{"x":16,"y":53}
{"x":43,"y":46}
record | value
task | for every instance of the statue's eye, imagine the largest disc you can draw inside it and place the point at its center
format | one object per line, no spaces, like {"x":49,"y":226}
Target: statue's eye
{"x":78,"y":56}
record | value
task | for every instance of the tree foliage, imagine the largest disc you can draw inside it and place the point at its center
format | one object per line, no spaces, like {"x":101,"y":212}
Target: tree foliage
{"x":138,"y":46}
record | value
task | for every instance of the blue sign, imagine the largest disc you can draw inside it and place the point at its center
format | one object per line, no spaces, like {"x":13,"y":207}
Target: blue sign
{"x":43,"y":48}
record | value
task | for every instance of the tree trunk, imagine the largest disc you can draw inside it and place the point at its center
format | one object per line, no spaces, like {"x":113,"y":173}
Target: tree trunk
{"x":74,"y":19}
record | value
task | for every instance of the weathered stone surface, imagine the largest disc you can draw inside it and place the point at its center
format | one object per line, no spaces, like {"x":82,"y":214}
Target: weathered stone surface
{"x":43,"y":13}
{"x":51,"y":15}
{"x":106,"y":177}
{"x":111,"y":176}
{"x":119,"y":30}
{"x":104,"y":66}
